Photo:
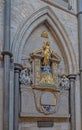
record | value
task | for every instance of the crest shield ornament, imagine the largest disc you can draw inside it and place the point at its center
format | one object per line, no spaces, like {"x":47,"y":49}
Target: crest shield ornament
{"x":46,"y":100}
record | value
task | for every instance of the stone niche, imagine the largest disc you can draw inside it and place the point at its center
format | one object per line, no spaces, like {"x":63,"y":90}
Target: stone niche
{"x":32,"y":97}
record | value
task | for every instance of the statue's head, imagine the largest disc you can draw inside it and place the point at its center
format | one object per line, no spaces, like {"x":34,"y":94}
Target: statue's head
{"x":48,"y":43}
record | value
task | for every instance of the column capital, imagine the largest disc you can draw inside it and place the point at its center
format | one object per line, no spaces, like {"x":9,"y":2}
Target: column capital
{"x":6,"y":53}
{"x":72,"y":76}
{"x":17,"y":67}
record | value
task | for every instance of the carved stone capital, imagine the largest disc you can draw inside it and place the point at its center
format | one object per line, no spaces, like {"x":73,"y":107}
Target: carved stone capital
{"x":17,"y":67}
{"x":6,"y":53}
{"x":72,"y":76}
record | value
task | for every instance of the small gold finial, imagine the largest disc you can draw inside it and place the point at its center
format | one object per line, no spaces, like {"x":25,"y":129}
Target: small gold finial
{"x":44,"y":34}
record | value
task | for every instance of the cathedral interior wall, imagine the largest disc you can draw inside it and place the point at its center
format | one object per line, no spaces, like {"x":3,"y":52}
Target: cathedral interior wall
{"x":21,"y":12}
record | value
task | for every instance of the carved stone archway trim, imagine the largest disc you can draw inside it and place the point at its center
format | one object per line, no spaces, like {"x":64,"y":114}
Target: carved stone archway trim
{"x":59,"y":32}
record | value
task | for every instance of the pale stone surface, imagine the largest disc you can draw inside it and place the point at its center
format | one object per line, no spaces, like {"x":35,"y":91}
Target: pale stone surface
{"x":77,"y":103}
{"x":1,"y":98}
{"x":21,"y":11}
{"x":28,"y":104}
{"x":1,"y":24}
{"x":1,"y":65}
{"x":11,"y":105}
{"x":71,"y":26}
{"x":35,"y":42}
{"x":48,"y":98}
{"x":33,"y":126}
{"x":66,"y":5}
{"x":2,"y":91}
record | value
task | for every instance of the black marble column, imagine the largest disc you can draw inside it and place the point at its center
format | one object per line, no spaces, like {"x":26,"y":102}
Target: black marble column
{"x":72,"y":78}
{"x":17,"y":70}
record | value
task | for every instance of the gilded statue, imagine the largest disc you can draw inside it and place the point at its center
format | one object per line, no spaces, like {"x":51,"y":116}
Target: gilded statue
{"x":46,"y":75}
{"x":46,"y":53}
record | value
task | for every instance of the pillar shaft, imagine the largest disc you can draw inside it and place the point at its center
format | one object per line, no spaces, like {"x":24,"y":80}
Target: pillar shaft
{"x":7,"y":17}
{"x":7,"y":55}
{"x":72,"y":101}
{"x":79,"y":14}
{"x":6,"y":94}
{"x":16,"y":96}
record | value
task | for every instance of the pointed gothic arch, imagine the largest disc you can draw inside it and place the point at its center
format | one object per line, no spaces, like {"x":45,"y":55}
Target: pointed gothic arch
{"x":38,"y":17}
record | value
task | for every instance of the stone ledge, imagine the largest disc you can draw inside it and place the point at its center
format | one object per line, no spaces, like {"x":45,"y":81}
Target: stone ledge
{"x":56,"y":119}
{"x":35,"y":115}
{"x":50,"y":89}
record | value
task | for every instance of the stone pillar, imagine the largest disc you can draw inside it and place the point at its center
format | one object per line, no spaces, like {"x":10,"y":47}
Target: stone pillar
{"x":1,"y":93}
{"x":79,"y":14}
{"x":6,"y":87}
{"x":7,"y":55}
{"x":72,"y":78}
{"x":16,"y":95}
{"x":11,"y":95}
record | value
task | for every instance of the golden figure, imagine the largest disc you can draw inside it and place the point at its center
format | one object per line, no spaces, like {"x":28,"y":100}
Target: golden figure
{"x":46,"y":53}
{"x":47,"y":79}
{"x":44,"y":34}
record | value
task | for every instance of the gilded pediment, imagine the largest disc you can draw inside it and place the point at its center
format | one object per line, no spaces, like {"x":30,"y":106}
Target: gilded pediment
{"x":39,"y":53}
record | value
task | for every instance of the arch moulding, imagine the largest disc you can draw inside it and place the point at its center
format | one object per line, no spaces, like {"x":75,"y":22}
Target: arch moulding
{"x":59,"y":32}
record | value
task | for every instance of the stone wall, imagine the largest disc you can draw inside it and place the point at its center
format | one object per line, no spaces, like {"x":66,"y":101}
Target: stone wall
{"x":21,"y":12}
